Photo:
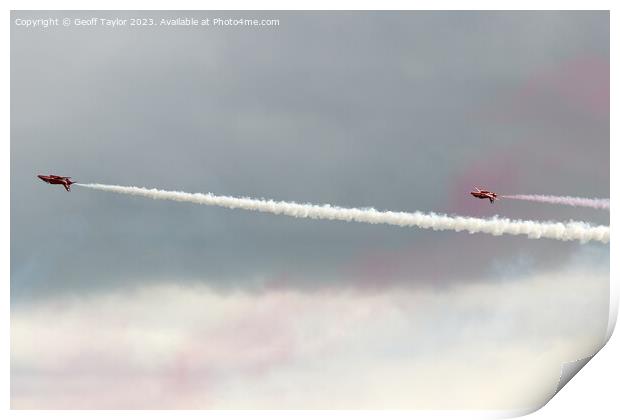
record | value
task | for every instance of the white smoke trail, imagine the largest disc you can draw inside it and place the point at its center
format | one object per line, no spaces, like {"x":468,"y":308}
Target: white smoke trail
{"x":596,"y":203}
{"x":573,"y":231}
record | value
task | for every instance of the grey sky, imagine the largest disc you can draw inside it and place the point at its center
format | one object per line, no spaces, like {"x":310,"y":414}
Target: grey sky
{"x":388,"y":110}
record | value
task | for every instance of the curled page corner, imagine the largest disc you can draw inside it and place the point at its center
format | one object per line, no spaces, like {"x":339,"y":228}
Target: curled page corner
{"x":570,"y":369}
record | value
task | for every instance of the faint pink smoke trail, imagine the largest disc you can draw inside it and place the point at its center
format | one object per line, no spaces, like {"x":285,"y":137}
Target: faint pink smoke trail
{"x":595,"y":203}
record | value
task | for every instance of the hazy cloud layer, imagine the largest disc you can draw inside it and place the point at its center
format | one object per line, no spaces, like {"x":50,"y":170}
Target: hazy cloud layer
{"x":479,"y":347}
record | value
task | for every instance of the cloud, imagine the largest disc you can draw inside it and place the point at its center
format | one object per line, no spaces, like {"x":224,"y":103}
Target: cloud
{"x":482,"y":346}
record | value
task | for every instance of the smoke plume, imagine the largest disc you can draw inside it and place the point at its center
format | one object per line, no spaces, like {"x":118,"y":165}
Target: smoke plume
{"x":595,"y":203}
{"x":572,"y":231}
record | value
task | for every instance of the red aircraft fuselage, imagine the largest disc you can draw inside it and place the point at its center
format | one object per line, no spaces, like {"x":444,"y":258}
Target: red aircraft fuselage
{"x":484,"y":194}
{"x":56,"y":179}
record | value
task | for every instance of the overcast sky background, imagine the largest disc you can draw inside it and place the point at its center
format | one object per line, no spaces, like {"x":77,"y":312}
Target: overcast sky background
{"x":199,"y":307}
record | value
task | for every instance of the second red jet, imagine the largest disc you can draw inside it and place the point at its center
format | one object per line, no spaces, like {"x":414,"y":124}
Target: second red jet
{"x":483,"y":194}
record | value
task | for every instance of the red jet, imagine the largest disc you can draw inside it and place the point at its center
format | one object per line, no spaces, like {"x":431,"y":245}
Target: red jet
{"x":482,"y":194}
{"x":56,"y":179}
